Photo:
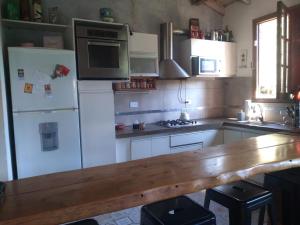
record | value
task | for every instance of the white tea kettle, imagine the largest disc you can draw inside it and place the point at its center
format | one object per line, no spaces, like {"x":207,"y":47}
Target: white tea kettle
{"x":184,"y":116}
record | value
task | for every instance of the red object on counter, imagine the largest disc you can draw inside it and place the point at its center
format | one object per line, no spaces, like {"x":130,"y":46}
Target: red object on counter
{"x":120,"y":126}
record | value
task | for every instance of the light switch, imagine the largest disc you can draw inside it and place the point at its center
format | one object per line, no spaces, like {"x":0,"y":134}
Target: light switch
{"x":133,"y":104}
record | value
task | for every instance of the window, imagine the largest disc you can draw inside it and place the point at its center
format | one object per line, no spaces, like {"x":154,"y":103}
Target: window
{"x":266,"y":59}
{"x":270,"y":56}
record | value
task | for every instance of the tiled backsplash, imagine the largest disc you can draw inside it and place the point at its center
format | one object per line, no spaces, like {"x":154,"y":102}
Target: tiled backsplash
{"x":237,"y":90}
{"x":210,"y":98}
{"x":206,"y":96}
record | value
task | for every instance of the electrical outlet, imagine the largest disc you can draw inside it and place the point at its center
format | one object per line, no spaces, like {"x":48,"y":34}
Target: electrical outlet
{"x":133,"y":104}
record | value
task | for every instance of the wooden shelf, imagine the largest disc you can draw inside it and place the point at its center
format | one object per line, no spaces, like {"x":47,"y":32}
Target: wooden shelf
{"x":20,"y":24}
{"x":136,"y":84}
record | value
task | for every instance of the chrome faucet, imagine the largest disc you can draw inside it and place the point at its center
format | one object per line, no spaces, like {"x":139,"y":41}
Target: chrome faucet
{"x":254,"y":109}
{"x":261,"y":116}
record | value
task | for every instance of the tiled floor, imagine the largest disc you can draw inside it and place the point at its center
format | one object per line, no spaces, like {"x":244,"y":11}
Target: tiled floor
{"x":132,"y":216}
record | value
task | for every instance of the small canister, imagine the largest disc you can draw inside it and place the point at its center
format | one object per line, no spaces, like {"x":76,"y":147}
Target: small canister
{"x":241,"y":116}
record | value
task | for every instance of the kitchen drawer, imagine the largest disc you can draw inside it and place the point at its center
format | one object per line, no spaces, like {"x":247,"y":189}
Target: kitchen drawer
{"x":186,"y":139}
{"x":186,"y":148}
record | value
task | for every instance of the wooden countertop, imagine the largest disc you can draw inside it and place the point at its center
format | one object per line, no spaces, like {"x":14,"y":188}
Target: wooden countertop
{"x":64,"y":197}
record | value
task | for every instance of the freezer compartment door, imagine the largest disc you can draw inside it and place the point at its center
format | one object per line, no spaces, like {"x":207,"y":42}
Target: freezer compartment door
{"x":47,"y":142}
{"x":33,"y":82}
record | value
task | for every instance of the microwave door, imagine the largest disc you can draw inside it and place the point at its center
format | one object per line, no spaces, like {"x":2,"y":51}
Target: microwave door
{"x":208,"y":66}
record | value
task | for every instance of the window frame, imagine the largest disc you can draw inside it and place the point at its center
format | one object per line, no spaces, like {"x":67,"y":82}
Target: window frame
{"x":279,"y":98}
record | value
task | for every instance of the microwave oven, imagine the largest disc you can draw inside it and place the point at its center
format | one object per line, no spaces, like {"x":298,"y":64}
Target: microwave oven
{"x":206,"y":66}
{"x":101,"y":50}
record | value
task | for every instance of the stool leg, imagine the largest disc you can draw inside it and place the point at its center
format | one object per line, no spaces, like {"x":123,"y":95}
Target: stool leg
{"x":271,"y":213}
{"x":246,"y":217}
{"x":261,"y":217}
{"x":206,"y":201}
{"x":235,"y":217}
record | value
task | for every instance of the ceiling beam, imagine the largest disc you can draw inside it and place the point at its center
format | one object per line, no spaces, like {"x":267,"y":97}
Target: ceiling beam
{"x":216,"y":5}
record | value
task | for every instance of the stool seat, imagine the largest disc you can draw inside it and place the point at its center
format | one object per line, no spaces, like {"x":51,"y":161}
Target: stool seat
{"x":243,"y":192}
{"x":176,"y":211}
{"x":85,"y":222}
{"x":241,"y":198}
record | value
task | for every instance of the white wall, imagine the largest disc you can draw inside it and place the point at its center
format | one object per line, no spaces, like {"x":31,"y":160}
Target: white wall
{"x":239,"y":17}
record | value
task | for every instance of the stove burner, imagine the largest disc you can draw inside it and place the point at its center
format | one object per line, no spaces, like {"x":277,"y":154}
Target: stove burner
{"x":178,"y":123}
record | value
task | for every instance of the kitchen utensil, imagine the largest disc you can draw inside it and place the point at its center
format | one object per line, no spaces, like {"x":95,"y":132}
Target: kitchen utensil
{"x":184,"y":116}
{"x":120,"y":126}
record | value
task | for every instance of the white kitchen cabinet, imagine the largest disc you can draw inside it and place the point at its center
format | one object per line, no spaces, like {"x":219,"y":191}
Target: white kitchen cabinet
{"x":143,"y":52}
{"x":224,"y":51}
{"x":160,"y":145}
{"x":123,"y":152}
{"x":229,"y":58}
{"x":212,"y":138}
{"x":140,"y":148}
{"x":253,"y":133}
{"x":186,"y":148}
{"x":231,"y":136}
{"x":96,"y":105}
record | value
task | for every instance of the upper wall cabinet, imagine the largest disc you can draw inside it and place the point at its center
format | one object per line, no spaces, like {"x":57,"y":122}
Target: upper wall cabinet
{"x":207,"y":58}
{"x":143,"y":52}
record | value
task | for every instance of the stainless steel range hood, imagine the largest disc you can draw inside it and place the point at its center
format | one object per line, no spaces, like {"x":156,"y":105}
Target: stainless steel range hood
{"x":168,"y":68}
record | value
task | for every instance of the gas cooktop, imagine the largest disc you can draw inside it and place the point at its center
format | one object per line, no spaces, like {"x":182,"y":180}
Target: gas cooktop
{"x":178,"y":123}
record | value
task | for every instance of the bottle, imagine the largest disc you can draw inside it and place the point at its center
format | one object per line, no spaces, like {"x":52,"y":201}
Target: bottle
{"x":37,"y":10}
{"x":25,"y":10}
{"x":12,"y":9}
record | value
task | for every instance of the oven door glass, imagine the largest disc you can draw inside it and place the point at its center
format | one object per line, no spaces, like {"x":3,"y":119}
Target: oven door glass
{"x":208,"y":65}
{"x":102,"y":59}
{"x":103,"y":55}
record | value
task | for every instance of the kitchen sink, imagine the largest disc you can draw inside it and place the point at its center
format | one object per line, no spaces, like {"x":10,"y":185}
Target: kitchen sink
{"x":265,"y":123}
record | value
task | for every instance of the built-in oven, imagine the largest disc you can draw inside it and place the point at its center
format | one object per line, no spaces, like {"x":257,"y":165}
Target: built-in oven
{"x":101,"y":51}
{"x":206,"y":66}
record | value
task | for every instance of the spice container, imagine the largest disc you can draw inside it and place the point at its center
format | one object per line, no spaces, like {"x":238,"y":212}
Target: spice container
{"x":25,"y":10}
{"x":12,"y":9}
{"x":37,"y":10}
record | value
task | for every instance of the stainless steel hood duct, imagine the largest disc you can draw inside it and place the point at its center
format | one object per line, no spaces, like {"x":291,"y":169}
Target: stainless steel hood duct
{"x":168,"y":68}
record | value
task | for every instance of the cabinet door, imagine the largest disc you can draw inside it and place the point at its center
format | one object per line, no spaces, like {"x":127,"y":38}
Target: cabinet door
{"x":250,"y":135}
{"x":140,"y":148}
{"x":229,"y":58}
{"x":123,"y":150}
{"x":212,"y":137}
{"x":97,"y":128}
{"x":231,"y":136}
{"x":160,"y":145}
{"x":253,"y":133}
{"x":143,"y":43}
{"x":186,"y":148}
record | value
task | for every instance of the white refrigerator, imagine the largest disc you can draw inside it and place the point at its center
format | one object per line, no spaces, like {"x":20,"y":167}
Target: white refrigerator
{"x":45,"y":110}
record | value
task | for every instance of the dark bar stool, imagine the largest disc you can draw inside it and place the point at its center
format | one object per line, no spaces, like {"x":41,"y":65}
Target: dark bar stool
{"x":176,"y":211}
{"x":241,"y":198}
{"x":85,"y":222}
{"x":285,"y":187}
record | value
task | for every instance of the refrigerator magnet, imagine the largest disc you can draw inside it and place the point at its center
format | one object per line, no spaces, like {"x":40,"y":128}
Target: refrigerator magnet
{"x":61,"y":71}
{"x":47,"y":89}
{"x":21,"y":74}
{"x":28,"y":87}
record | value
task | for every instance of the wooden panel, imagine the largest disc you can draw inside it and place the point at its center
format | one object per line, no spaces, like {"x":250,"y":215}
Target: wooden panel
{"x":294,"y":50}
{"x":69,"y":196}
